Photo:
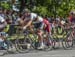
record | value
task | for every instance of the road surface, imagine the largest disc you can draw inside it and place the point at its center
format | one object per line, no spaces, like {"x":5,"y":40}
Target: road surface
{"x":54,"y":53}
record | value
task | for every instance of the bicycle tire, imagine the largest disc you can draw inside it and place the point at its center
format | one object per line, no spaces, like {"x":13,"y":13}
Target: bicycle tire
{"x":20,"y":46}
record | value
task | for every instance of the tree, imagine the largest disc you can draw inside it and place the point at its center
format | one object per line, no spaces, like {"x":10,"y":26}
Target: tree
{"x":50,"y":7}
{"x":55,"y":7}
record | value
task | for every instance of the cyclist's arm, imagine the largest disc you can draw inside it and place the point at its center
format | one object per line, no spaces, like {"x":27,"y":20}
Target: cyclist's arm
{"x":28,"y":24}
{"x":32,"y":15}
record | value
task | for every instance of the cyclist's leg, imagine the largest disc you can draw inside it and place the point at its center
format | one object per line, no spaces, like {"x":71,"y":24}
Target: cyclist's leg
{"x":48,"y":34}
{"x":40,"y":33}
{"x":40,"y":38}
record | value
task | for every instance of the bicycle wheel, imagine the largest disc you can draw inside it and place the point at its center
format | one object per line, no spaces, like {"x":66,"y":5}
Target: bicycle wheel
{"x":28,"y":43}
{"x":9,"y":48}
{"x":49,"y":43}
{"x":68,"y":40}
{"x":20,"y":46}
{"x":67,"y":43}
{"x":56,"y":43}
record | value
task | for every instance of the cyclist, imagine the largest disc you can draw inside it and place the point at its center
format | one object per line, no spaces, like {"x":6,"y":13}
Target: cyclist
{"x":47,"y":29}
{"x":38,"y":21}
{"x":72,"y":22}
{"x":26,"y":22}
{"x":2,"y":26}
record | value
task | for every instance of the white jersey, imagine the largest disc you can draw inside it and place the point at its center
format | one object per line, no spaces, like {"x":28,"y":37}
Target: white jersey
{"x":2,"y":19}
{"x":34,"y":16}
{"x":2,"y":25}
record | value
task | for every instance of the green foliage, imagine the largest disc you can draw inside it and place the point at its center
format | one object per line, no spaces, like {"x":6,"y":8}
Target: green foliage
{"x":55,"y":7}
{"x":50,"y":7}
{"x":6,"y":5}
{"x":41,"y":10}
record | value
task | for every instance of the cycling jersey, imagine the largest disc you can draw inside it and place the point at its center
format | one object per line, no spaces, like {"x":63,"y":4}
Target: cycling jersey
{"x":39,"y":23}
{"x":2,"y":24}
{"x":72,"y":19}
{"x":1,"y":19}
{"x":37,"y":20}
{"x":46,"y":22}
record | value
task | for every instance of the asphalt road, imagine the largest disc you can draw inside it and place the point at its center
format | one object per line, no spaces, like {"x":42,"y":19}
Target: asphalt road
{"x":54,"y":53}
